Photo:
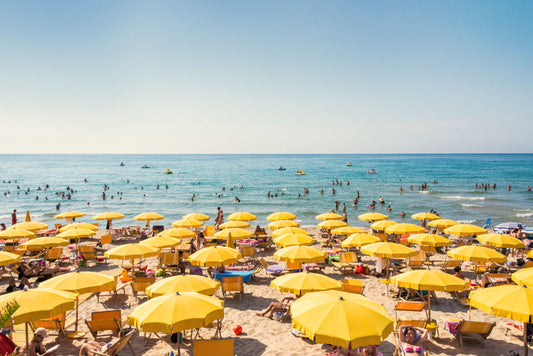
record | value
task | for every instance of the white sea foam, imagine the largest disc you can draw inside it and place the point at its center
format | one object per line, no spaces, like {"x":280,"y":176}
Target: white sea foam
{"x":525,"y":215}
{"x":424,"y":191}
{"x":459,"y":197}
{"x":466,"y":221}
{"x":471,"y":205}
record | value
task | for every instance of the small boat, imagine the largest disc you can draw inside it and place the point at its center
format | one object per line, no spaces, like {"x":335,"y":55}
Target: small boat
{"x":300,"y":173}
{"x":371,"y":171}
{"x":168,"y":171}
{"x":145,"y":166}
{"x":281,"y":168}
{"x":122,"y":164}
{"x":349,"y":164}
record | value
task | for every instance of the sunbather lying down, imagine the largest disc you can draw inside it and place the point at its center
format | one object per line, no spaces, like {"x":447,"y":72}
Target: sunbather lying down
{"x":92,"y":345}
{"x":411,"y":339}
{"x":361,"y":351}
{"x":282,"y":306}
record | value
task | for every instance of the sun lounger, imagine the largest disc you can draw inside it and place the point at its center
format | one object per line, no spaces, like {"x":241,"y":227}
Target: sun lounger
{"x":275,"y":270}
{"x":109,"y":320}
{"x":55,"y":323}
{"x":232,"y":284}
{"x":219,"y":347}
{"x":122,"y":342}
{"x":352,"y":285}
{"x":139,"y":284}
{"x":472,"y":329}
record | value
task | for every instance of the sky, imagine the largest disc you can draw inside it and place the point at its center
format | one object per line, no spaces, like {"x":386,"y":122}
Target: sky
{"x":299,"y":76}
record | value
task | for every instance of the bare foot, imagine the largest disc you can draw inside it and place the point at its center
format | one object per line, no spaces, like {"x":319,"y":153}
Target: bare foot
{"x":258,"y":314}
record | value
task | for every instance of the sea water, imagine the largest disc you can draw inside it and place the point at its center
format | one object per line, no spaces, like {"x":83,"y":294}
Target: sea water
{"x":216,"y":180}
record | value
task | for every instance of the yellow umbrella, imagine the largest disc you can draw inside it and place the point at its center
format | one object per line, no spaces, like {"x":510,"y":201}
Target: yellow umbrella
{"x":430,"y":280}
{"x":131,"y":251}
{"x":160,"y":241}
{"x":76,"y":233}
{"x":442,"y":224}
{"x":108,"y":215}
{"x":300,"y":254}
{"x":234,"y":224}
{"x":33,"y":226}
{"x":42,"y":243}
{"x":69,"y":215}
{"x":16,"y":234}
{"x":480,"y":254}
{"x":371,"y":217}
{"x":500,"y":240}
{"x":147,"y":217}
{"x":186,"y":283}
{"x":508,"y":301}
{"x":177,"y":233}
{"x":465,"y":230}
{"x":242,"y":216}
{"x":347,"y":230}
{"x":331,"y":224}
{"x":425,"y":216}
{"x":388,"y":250}
{"x":28,"y":218}
{"x":288,"y":230}
{"x":404,"y":228}
{"x":235,"y":233}
{"x":196,"y":216}
{"x":359,"y":239}
{"x":78,"y":225}
{"x":282,"y":224}
{"x":429,"y":240}
{"x":214,"y":256}
{"x":341,"y":319}
{"x":8,"y":258}
{"x":304,"y":282}
{"x":281,"y":215}
{"x":328,"y":216}
{"x":382,"y":224}
{"x":188,"y":223}
{"x":523,"y":277}
{"x":294,"y":239}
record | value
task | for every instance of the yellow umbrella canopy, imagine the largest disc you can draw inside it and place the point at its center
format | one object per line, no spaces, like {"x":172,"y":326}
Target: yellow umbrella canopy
{"x":328,"y":216}
{"x":404,"y":228}
{"x":425,"y":216}
{"x":69,"y":215}
{"x":15,"y":234}
{"x":131,"y":251}
{"x":80,"y":282}
{"x":176,"y":312}
{"x":465,"y":230}
{"x":301,"y":254}
{"x":43,"y":242}
{"x":294,"y":239}
{"x":480,"y":254}
{"x":382,"y":224}
{"x":76,"y":233}
{"x":523,"y":277}
{"x":188,"y":223}
{"x":215,"y":256}
{"x":235,"y":233}
{"x":433,"y":240}
{"x":371,"y":217}
{"x":148,"y":216}
{"x":388,"y":250}
{"x":500,"y":240}
{"x":161,"y":241}
{"x":242,"y":216}
{"x":30,"y":226}
{"x":78,"y":225}
{"x":288,"y":230}
{"x":177,"y":233}
{"x":196,"y":216}
{"x":185,"y":283}
{"x":8,"y":258}
{"x":442,"y":224}
{"x":304,"y":282}
{"x":331,"y":224}
{"x":281,"y":215}
{"x":359,"y":239}
{"x":280,"y":224}
{"x":341,"y":319}
{"x":108,"y":215}
{"x":347,"y":230}
{"x":235,"y":224}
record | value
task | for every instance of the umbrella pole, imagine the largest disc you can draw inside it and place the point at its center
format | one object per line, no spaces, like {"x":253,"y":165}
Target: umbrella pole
{"x":429,"y":305}
{"x":27,"y":342}
{"x":525,"y":339}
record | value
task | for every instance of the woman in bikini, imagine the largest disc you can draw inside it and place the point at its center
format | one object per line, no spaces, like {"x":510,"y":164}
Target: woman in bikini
{"x":282,"y":306}
{"x":412,"y":338}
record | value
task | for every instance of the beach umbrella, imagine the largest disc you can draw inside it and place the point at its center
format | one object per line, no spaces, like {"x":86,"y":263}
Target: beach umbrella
{"x":177,"y":233}
{"x":480,"y":254}
{"x":242,"y":216}
{"x":235,"y":233}
{"x":425,"y":216}
{"x":465,"y":230}
{"x":371,"y":217}
{"x":280,"y":224}
{"x":147,"y":217}
{"x":196,"y":216}
{"x":328,"y":216}
{"x":185,"y":283}
{"x":32,"y":226}
{"x":429,"y":240}
{"x":78,"y":225}
{"x":500,"y":240}
{"x":161,"y":241}
{"x":109,"y":216}
{"x":430,"y":280}
{"x":214,"y":256}
{"x":15,"y":234}
{"x":40,"y":243}
{"x":523,"y":277}
{"x":131,"y":252}
{"x":404,"y":228}
{"x":388,"y":250}
{"x":76,"y":233}
{"x":294,"y":239}
{"x":69,"y":215}
{"x":359,"y":239}
{"x":508,"y":301}
{"x":339,"y":318}
{"x":382,"y":224}
{"x":331,"y":224}
{"x":188,"y":223}
{"x":8,"y":258}
{"x":304,"y":282}
{"x":234,"y":224}
{"x":300,"y":254}
{"x":288,"y":230}
{"x":281,"y":215}
{"x":442,"y":224}
{"x":80,"y":283}
{"x":347,"y":230}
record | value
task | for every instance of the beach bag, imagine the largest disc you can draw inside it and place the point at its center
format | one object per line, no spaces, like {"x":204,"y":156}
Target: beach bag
{"x":360,"y":270}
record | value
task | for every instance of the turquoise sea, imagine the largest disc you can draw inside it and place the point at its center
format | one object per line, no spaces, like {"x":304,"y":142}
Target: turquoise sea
{"x":454,"y":196}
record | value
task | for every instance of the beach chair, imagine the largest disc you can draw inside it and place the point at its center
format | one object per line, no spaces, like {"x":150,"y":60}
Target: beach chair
{"x":55,"y":323}
{"x":479,"y":330}
{"x":106,"y":239}
{"x":219,"y":347}
{"x":294,"y":267}
{"x":122,"y":342}
{"x":7,"y":346}
{"x":352,"y":285}
{"x":312,"y":267}
{"x":417,"y":261}
{"x":139,"y":284}
{"x":275,"y":270}
{"x":232,"y":284}
{"x":266,"y":244}
{"x":348,"y":262}
{"x":449,"y":264}
{"x":88,"y":253}
{"x":487,"y":223}
{"x":53,"y":254}
{"x":248,"y":252}
{"x":209,"y":231}
{"x":399,"y":348}
{"x":109,"y":320}
{"x":169,"y":261}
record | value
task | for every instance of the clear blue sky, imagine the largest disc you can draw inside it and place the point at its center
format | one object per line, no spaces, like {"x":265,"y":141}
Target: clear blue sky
{"x":265,"y":76}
